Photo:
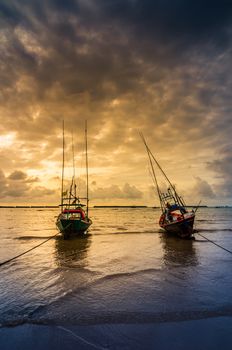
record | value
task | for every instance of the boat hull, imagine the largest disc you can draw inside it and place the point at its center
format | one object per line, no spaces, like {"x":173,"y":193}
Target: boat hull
{"x":183,"y":228}
{"x":70,"y":227}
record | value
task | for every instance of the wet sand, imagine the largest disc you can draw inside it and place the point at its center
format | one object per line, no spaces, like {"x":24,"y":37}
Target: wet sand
{"x":212,"y":333}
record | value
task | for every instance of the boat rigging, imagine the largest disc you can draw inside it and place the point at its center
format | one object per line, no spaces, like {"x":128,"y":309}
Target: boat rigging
{"x":175,"y":218}
{"x":73,"y":219}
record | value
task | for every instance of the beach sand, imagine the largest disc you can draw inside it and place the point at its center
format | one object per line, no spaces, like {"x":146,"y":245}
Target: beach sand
{"x":212,"y":333}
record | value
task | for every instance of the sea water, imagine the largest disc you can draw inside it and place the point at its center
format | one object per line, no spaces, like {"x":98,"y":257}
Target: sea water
{"x":125,"y":270}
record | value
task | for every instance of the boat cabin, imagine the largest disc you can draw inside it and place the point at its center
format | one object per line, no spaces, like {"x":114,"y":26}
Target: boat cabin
{"x":73,"y":214}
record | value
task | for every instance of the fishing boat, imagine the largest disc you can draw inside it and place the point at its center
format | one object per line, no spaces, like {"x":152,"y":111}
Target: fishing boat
{"x":73,"y":219}
{"x":175,"y":217}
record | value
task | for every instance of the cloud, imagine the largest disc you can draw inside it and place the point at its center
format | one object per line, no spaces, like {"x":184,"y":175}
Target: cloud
{"x":40,"y":192}
{"x":203,"y":190}
{"x":157,"y":66}
{"x":3,"y":183}
{"x":17,"y":175}
{"x":115,"y":192}
{"x":131,"y":191}
{"x":19,"y":185}
{"x":222,"y":169}
{"x":110,"y":192}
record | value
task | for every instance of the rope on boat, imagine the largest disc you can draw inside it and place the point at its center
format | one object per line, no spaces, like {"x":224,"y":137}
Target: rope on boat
{"x":27,"y":251}
{"x":218,"y":245}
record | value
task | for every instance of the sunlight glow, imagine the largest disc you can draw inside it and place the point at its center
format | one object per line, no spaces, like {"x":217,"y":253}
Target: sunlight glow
{"x":7,"y":140}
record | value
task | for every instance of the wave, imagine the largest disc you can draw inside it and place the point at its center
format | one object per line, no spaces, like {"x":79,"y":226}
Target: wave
{"x":203,"y":220}
{"x":126,"y":232}
{"x":99,"y":280}
{"x":32,"y":237}
{"x":44,"y":229}
{"x":126,"y":274}
{"x":213,"y":230}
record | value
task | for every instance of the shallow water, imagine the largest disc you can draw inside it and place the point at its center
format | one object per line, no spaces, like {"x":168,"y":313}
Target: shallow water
{"x":125,"y":270}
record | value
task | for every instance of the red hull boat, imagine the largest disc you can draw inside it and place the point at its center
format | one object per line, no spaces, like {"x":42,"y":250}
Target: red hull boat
{"x":175,"y":217}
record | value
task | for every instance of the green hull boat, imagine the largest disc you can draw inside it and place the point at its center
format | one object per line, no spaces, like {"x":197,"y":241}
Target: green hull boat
{"x":72,"y":226}
{"x":73,"y":219}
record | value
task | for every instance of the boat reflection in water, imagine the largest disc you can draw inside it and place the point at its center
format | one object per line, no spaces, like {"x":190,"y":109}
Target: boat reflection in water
{"x":178,"y":252}
{"x":72,"y":253}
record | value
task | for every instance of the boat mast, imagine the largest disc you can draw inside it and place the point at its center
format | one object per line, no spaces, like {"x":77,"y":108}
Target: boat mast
{"x":87,"y":170}
{"x":153,"y":171}
{"x":74,"y":172}
{"x":178,"y":199}
{"x":62,"y":177}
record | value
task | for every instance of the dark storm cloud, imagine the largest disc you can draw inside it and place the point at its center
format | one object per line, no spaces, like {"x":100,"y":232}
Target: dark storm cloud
{"x":170,"y":20}
{"x":8,"y":13}
{"x":115,"y":34}
{"x":160,"y":66}
{"x":103,"y":47}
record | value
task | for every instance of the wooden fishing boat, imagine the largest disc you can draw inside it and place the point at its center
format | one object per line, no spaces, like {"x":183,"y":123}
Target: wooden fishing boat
{"x":175,"y":217}
{"x":73,"y":219}
{"x":73,"y":222}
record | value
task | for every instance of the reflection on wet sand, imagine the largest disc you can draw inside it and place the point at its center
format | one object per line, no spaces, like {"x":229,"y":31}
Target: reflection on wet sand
{"x":73,"y":252}
{"x":178,"y":251}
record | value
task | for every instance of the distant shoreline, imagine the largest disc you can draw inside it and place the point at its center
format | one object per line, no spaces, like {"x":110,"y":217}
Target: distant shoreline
{"x":57,"y":206}
{"x":106,"y":206}
{"x":120,"y":206}
{"x":29,"y":206}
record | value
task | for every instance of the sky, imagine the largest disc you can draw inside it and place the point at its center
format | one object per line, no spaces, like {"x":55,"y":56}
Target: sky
{"x":160,"y":67}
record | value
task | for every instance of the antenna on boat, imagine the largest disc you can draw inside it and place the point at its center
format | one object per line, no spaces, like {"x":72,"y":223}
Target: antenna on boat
{"x":87,"y":170}
{"x":62,"y":180}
